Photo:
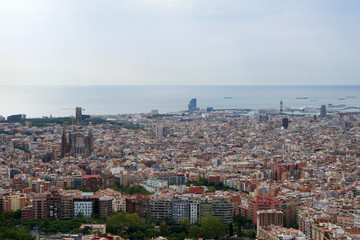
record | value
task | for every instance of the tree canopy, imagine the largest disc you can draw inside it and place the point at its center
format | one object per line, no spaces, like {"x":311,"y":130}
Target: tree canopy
{"x":212,"y":227}
{"x":8,"y":229}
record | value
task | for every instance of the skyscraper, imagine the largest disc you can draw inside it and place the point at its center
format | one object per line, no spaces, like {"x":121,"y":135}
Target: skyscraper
{"x":285,"y":123}
{"x":192,"y":105}
{"x":323,"y":111}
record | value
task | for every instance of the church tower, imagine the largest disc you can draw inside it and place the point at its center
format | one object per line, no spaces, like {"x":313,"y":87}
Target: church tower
{"x":64,"y":144}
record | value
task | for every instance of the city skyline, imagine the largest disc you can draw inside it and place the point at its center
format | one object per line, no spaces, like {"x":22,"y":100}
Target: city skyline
{"x":179,"y":43}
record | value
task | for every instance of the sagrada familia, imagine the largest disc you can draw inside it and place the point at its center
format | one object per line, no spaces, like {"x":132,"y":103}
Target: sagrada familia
{"x":77,"y":144}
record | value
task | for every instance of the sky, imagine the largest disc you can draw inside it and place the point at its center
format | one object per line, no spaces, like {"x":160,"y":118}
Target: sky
{"x":179,"y":42}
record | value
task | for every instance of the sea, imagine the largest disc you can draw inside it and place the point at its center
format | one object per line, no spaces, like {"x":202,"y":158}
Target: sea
{"x":58,"y":101}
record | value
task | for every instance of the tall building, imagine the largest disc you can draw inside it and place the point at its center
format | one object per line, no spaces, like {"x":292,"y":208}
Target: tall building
{"x":84,"y":205}
{"x":323,"y":111}
{"x":138,"y":204}
{"x":205,"y":209}
{"x":58,"y":206}
{"x":194,"y":211}
{"x":262,"y":202}
{"x":16,"y":118}
{"x":105,"y":206}
{"x":160,"y":209}
{"x":53,"y":205}
{"x":192,"y":105}
{"x":77,"y":181}
{"x":290,"y":207}
{"x":39,"y":205}
{"x":285,"y":123}
{"x":159,"y":131}
{"x":67,"y":207}
{"x":222,"y":209}
{"x":180,"y":209}
{"x":14,"y":202}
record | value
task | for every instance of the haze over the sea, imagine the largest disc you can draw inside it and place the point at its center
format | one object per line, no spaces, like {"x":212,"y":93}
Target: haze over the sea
{"x":43,"y":101}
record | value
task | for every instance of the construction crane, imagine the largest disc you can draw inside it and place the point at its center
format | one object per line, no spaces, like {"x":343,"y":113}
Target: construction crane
{"x":78,"y":114}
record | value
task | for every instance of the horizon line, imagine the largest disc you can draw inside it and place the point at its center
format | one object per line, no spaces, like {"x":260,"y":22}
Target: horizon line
{"x":174,"y":85}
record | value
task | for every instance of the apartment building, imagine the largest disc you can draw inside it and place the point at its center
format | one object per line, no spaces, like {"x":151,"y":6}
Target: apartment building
{"x":160,"y":209}
{"x":180,"y":209}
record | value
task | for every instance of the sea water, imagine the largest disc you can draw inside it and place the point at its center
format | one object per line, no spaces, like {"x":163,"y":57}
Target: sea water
{"x":38,"y":101}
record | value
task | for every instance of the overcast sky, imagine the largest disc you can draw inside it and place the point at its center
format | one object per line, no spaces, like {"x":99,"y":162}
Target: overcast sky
{"x":179,"y":42}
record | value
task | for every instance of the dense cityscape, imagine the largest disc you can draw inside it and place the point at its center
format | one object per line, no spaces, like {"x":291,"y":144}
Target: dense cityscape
{"x":194,"y":174}
{"x":179,"y":120}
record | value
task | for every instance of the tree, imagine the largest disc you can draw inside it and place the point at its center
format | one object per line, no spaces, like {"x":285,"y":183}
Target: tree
{"x":185,"y":223}
{"x":17,"y":214}
{"x":212,"y":227}
{"x":164,"y":230}
{"x":211,"y":189}
{"x":195,"y":231}
{"x":86,"y":230}
{"x":231,"y":230}
{"x":150,"y":231}
{"x":128,"y":225}
{"x":118,"y":222}
{"x":15,"y":233}
{"x":219,"y":185}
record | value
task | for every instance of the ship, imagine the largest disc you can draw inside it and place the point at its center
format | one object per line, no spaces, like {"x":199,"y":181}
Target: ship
{"x":302,"y":98}
{"x":227,"y":97}
{"x":336,"y":106}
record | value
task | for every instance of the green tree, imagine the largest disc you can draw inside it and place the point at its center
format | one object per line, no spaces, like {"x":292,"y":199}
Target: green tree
{"x":86,"y":230}
{"x":17,"y":214}
{"x":150,"y":231}
{"x":164,"y":230}
{"x":15,"y":233}
{"x":219,"y":185}
{"x":185,"y":223}
{"x":117,"y":222}
{"x":211,"y":189}
{"x":8,"y":229}
{"x":195,"y":231}
{"x":212,"y":227}
{"x":129,"y":225}
{"x":79,"y":215}
{"x":231,"y":230}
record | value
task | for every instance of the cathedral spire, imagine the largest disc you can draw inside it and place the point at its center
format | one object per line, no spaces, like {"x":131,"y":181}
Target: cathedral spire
{"x":64,"y":143}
